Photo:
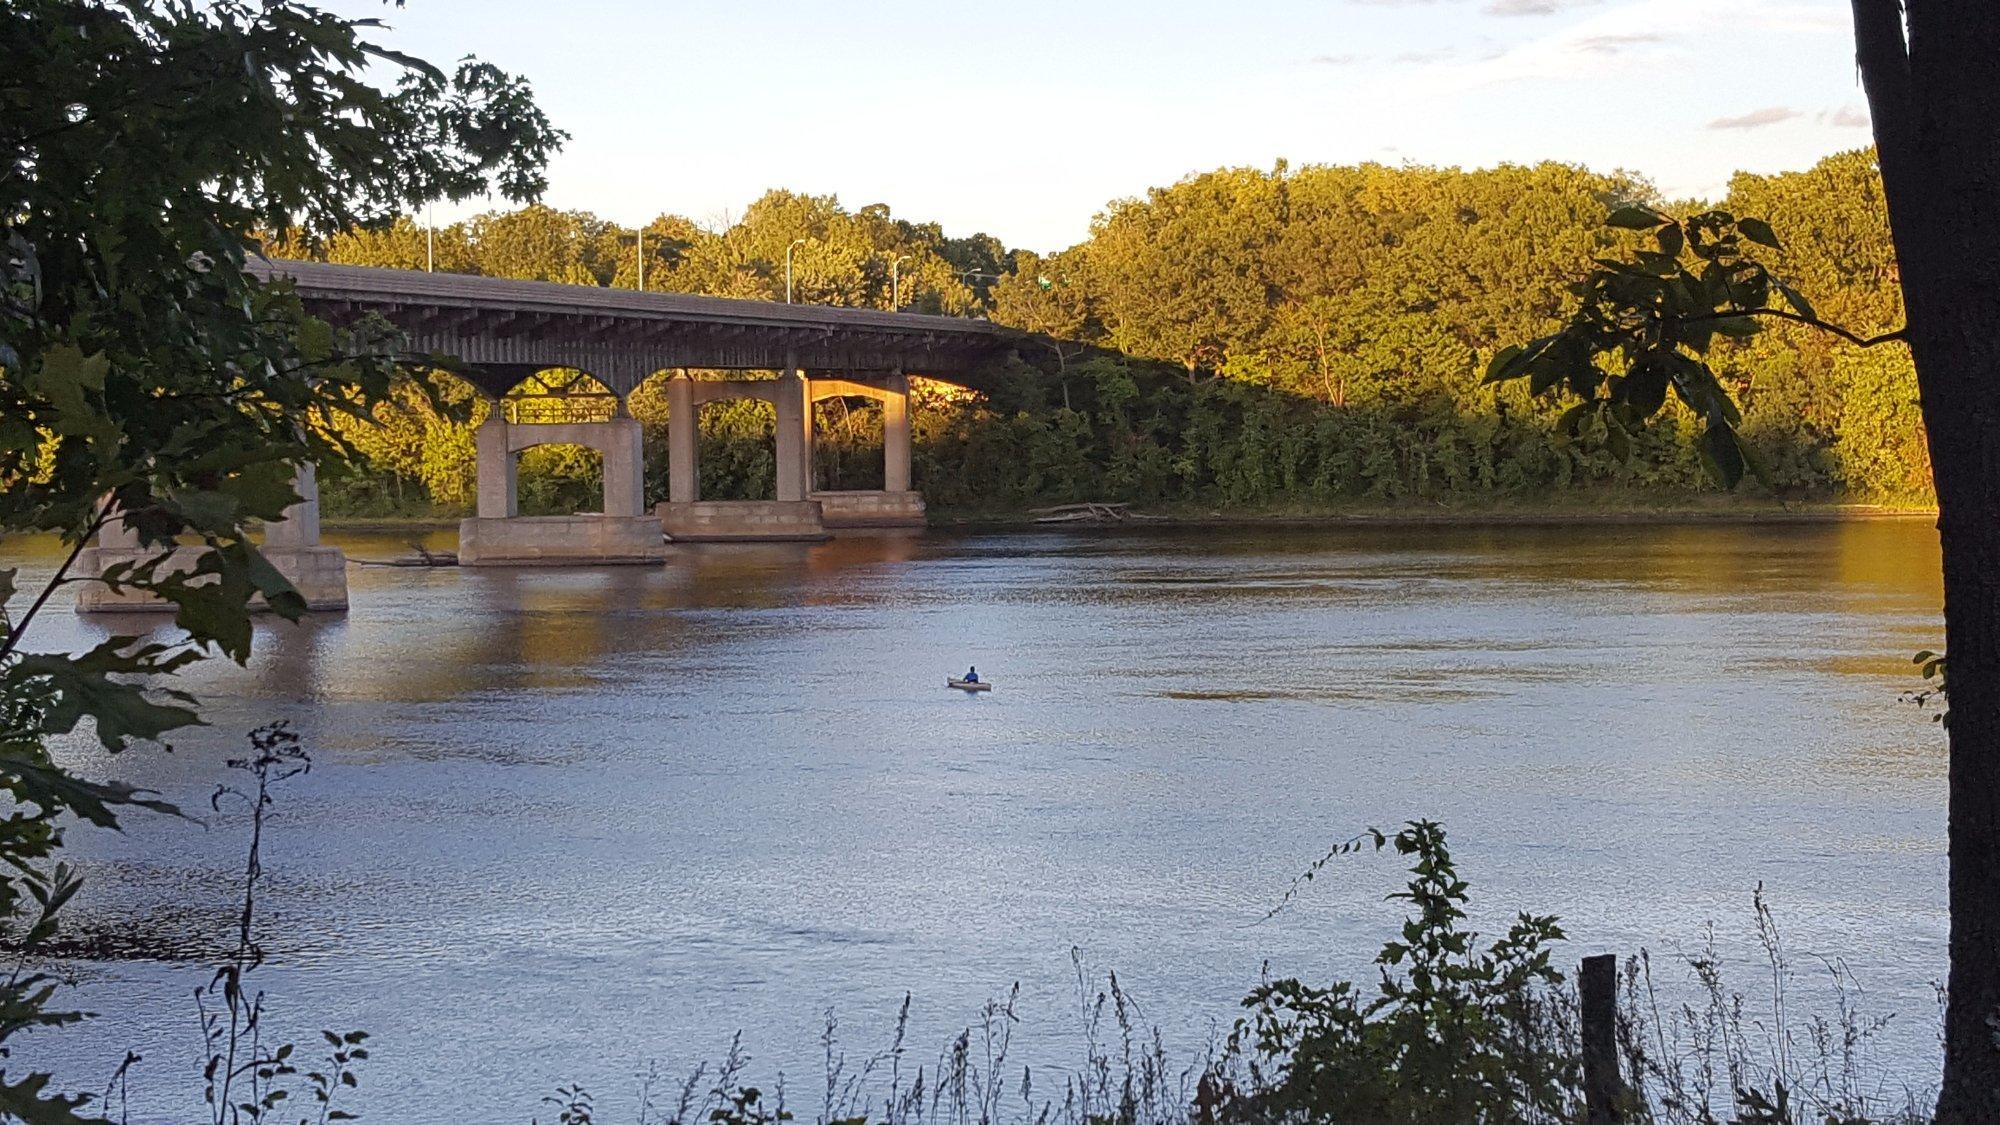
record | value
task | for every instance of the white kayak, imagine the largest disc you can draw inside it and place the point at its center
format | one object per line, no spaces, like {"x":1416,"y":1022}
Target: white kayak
{"x":969,"y":685}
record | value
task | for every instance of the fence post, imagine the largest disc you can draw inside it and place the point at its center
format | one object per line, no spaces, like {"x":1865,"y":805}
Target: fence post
{"x":1603,"y":1089}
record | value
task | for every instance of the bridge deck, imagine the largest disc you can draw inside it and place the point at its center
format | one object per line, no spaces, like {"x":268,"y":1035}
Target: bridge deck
{"x":506,"y":330}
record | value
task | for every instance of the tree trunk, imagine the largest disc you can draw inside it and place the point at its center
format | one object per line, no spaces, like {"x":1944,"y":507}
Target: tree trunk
{"x":1933,"y":88}
{"x":1963,"y":337}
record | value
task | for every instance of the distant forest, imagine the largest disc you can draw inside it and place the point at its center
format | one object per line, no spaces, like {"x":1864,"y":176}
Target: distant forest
{"x":1280,"y":339}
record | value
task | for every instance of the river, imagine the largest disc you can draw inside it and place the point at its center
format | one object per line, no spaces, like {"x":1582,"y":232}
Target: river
{"x":563,"y":822}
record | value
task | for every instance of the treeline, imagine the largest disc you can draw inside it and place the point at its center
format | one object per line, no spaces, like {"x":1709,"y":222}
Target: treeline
{"x":1259,"y":338}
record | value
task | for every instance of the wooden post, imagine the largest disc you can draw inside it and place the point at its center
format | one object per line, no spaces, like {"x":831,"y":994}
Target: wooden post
{"x":1603,"y":1089}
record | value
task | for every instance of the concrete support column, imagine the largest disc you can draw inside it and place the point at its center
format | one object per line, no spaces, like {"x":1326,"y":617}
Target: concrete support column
{"x":115,"y":535}
{"x":896,"y":435}
{"x":807,"y":484}
{"x":624,"y":468}
{"x":683,"y":436}
{"x":300,"y":527}
{"x":794,"y":422}
{"x":498,"y":496}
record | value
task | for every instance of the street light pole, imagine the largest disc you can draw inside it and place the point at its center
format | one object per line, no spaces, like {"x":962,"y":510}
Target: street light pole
{"x":896,"y":283}
{"x":796,"y":243}
{"x":642,"y":259}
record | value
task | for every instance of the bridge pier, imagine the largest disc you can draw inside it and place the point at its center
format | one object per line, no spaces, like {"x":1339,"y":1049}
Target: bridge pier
{"x":292,"y":545}
{"x":794,"y":515}
{"x":500,"y":536}
{"x":896,"y":504}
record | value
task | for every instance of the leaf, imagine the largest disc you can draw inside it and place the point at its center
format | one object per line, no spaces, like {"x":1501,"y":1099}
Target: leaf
{"x":277,"y":590}
{"x":1798,"y":302}
{"x":1721,"y":455}
{"x":1633,"y":216}
{"x":54,"y":789}
{"x":30,"y":1102}
{"x":67,"y":377}
{"x":1646,"y":389}
{"x":80,"y":687}
{"x":1516,"y":360}
{"x":1759,"y":231}
{"x":1671,"y":240}
{"x":1499,"y":368}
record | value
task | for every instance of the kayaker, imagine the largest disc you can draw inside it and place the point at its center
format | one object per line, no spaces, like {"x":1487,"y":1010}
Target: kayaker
{"x":972,"y":675}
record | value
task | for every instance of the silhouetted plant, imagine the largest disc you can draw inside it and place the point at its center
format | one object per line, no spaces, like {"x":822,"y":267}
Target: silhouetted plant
{"x":572,"y":1104}
{"x":244,"y":1081}
{"x":1456,"y":1031}
{"x":1931,"y":666}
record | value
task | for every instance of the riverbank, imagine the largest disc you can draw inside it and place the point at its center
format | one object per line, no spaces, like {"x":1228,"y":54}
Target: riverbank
{"x":1589,"y":511}
{"x":1584,"y":512}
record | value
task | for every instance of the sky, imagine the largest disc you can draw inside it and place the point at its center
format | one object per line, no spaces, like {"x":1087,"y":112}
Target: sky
{"x":1024,"y":119}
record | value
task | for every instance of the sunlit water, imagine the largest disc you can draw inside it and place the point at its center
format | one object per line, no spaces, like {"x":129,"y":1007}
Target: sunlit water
{"x":561,"y":822}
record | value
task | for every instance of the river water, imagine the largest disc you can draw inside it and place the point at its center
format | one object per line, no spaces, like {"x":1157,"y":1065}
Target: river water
{"x":561,"y":822}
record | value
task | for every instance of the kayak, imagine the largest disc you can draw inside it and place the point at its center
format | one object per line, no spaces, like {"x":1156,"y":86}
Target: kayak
{"x":969,"y":685}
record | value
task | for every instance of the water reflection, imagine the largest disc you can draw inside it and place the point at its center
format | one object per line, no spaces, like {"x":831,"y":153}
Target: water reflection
{"x":583,"y":817}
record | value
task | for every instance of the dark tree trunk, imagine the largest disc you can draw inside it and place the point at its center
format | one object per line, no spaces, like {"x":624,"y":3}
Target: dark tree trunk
{"x":1933,"y":84}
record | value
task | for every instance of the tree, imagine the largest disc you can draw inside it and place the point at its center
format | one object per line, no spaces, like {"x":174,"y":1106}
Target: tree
{"x":1931,"y":70}
{"x":146,"y":378}
{"x":540,"y":243}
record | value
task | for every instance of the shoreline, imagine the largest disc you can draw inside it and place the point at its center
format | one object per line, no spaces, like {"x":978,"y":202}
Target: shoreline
{"x":1198,"y":518}
{"x":1476,"y":517}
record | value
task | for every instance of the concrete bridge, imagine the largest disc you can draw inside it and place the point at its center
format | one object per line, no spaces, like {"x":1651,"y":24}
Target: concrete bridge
{"x":508,"y":335}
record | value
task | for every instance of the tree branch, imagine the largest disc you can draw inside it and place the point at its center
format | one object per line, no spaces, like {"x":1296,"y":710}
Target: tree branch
{"x":1854,"y":338}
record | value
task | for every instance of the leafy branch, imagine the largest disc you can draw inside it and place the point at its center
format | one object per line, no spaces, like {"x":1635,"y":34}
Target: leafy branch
{"x":1645,"y":326}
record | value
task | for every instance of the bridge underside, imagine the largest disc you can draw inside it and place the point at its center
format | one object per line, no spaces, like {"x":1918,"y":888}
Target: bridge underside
{"x":502,"y":331}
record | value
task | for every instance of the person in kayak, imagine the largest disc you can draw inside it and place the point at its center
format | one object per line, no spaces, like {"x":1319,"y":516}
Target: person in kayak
{"x":972,"y":675}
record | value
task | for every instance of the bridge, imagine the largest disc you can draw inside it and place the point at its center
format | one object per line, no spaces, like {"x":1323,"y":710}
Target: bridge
{"x":508,"y":337}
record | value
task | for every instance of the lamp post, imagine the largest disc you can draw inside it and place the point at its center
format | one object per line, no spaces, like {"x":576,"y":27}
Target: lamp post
{"x":796,"y":243}
{"x":896,"y":283}
{"x":430,"y":245}
{"x":642,"y":259}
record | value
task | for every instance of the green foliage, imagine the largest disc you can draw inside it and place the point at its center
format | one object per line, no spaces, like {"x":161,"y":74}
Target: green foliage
{"x":1288,"y":337}
{"x":1932,"y":666}
{"x":1643,"y":326}
{"x":1455,"y":1031}
{"x":147,"y":381}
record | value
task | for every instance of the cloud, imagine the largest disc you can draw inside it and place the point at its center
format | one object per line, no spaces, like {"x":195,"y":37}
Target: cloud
{"x":1429,"y":56}
{"x":1756,"y":118}
{"x":1616,"y":44}
{"x":1846,"y":117}
{"x":1496,"y":7}
{"x":1532,"y":7}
